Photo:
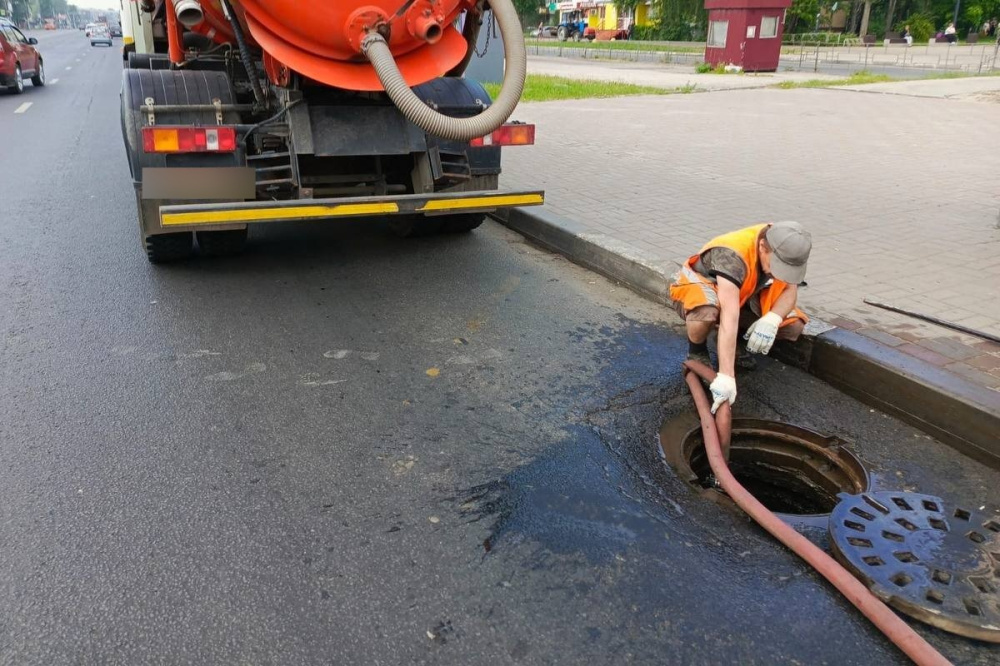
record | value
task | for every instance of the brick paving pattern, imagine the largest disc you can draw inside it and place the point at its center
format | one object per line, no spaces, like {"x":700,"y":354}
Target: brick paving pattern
{"x":901,"y":194}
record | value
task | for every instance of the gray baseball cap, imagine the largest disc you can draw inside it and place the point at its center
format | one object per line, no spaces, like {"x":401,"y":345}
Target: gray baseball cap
{"x":791,"y":245}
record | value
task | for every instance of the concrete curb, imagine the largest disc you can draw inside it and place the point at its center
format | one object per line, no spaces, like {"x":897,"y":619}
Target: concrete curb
{"x":943,"y":405}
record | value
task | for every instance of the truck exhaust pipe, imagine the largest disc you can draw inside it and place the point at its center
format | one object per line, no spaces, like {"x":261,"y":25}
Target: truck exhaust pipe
{"x":189,"y":12}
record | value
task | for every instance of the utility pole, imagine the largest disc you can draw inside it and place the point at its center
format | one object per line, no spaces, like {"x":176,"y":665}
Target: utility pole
{"x":864,"y":18}
{"x":958,"y":4}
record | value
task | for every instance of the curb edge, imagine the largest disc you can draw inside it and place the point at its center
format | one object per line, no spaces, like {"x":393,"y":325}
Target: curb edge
{"x":945,"y":406}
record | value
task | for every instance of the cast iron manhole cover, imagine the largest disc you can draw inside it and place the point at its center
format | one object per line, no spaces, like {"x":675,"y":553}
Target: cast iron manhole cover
{"x":938,"y":564}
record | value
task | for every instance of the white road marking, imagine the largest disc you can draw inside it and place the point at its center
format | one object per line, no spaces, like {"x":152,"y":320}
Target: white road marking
{"x":68,"y":68}
{"x":53,"y":82}
{"x":78,"y":60}
{"x":344,"y":353}
{"x":24,"y":107}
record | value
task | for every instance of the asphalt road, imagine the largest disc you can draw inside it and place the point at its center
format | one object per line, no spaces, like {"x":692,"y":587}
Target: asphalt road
{"x":346,"y":448}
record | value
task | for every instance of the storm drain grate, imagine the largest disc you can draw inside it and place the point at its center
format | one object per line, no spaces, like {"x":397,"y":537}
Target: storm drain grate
{"x":938,"y":564}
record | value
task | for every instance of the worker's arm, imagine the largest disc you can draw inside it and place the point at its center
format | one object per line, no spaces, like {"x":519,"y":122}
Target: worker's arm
{"x":762,"y":333}
{"x":729,"y":321}
{"x":786,"y":302}
{"x":723,"y":387}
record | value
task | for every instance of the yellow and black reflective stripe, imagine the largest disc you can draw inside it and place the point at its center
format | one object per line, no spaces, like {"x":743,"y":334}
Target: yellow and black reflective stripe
{"x":276,"y":213}
{"x":492,"y":201}
{"x":245,"y":214}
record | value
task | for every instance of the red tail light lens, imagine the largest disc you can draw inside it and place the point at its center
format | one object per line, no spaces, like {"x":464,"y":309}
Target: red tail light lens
{"x":189,"y":139}
{"x":511,"y":134}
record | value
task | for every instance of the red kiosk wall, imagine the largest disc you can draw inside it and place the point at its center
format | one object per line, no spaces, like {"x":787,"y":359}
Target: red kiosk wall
{"x":744,"y":45}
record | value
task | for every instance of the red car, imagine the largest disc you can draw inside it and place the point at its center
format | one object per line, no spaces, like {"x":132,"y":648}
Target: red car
{"x":18,"y":59}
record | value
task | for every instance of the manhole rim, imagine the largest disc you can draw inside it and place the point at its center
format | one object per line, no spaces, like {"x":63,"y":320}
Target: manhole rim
{"x":828,"y":447}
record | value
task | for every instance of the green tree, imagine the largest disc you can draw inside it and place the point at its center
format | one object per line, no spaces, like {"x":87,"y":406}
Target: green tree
{"x":921,"y":27}
{"x":682,"y":20}
{"x":801,"y":16}
{"x":22,"y":11}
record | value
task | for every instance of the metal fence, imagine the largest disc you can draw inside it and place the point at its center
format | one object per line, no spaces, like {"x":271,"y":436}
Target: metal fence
{"x":916,"y":60}
{"x":824,"y":56}
{"x":616,"y":51}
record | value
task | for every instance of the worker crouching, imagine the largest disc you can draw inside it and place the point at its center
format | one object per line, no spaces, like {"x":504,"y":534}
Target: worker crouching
{"x":746,"y":279}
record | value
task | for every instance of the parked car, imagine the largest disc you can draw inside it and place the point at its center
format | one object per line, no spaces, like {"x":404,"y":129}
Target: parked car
{"x":100,"y":35}
{"x":19,"y":59}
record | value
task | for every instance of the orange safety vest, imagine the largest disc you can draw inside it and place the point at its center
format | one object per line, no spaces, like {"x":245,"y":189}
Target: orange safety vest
{"x":692,"y":289}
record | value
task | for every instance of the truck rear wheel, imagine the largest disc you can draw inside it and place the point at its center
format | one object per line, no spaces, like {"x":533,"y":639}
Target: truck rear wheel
{"x":460,"y":224}
{"x":415,"y":226}
{"x":222,"y":243}
{"x":165,"y":248}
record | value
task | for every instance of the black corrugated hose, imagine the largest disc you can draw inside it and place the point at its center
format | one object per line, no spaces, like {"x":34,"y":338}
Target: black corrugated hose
{"x":375,"y":48}
{"x":241,"y":42}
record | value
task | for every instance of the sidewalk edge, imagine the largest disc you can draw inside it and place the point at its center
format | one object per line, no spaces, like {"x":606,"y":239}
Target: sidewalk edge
{"x":945,"y":406}
{"x":602,"y":254}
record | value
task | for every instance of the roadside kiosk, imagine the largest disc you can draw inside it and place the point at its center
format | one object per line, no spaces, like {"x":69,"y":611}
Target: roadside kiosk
{"x":745,"y":33}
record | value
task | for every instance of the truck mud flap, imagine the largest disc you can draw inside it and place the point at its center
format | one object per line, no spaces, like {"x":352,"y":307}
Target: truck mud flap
{"x":176,"y":217}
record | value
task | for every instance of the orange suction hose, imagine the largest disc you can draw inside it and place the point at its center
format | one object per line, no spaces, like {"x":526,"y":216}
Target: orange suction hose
{"x":175,"y":47}
{"x":890,"y":624}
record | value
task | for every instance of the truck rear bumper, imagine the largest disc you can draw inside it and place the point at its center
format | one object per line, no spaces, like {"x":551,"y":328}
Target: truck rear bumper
{"x":199,"y":216}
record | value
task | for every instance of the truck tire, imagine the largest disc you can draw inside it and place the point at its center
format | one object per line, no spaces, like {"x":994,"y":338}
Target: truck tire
{"x":415,"y":226}
{"x":464,"y":223}
{"x":227,"y":243}
{"x":167,"y":248}
{"x":562,"y":33}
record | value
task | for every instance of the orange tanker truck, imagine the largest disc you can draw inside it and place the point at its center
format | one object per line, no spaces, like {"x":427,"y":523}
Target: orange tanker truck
{"x":240,"y":112}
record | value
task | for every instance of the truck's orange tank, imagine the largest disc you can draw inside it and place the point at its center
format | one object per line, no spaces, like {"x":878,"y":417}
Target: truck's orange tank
{"x":320,"y":39}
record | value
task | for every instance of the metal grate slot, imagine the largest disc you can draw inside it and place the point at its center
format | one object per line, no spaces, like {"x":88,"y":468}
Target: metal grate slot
{"x":910,"y":557}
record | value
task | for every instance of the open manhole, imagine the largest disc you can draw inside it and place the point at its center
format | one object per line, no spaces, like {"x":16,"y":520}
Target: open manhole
{"x":937,"y":563}
{"x":793,"y":471}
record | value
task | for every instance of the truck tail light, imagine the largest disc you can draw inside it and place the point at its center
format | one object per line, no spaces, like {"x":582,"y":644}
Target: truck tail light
{"x":189,"y":139}
{"x":511,"y":134}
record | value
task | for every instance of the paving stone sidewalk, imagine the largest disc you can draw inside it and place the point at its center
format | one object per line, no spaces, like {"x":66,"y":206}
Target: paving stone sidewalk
{"x":901,"y":193}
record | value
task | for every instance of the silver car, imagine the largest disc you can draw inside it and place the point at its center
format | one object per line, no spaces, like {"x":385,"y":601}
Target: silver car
{"x":100,"y":35}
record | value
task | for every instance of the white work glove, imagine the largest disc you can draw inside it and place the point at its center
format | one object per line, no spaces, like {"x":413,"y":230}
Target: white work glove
{"x":760,"y":335}
{"x":723,"y":389}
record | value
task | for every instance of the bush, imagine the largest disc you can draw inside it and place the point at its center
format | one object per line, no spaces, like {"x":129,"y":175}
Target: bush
{"x":688,"y":28}
{"x":646,"y":33}
{"x":921,"y":27}
{"x":974,"y":17}
{"x":702,"y":67}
